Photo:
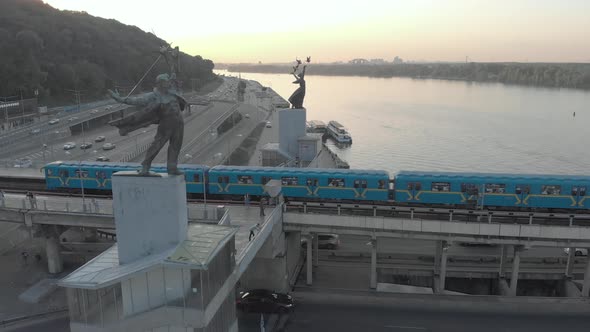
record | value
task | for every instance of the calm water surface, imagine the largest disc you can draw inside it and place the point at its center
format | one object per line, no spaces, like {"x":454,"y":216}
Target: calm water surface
{"x":406,"y":124}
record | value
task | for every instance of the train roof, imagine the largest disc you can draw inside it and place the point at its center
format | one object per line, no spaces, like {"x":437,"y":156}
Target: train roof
{"x":461,"y":175}
{"x":295,"y":170}
{"x":119,"y":165}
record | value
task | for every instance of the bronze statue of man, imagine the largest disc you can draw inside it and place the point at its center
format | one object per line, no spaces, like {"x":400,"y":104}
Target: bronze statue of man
{"x":163,"y":106}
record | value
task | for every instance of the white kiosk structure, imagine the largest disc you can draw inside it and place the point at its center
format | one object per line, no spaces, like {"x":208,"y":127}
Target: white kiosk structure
{"x":164,"y":274}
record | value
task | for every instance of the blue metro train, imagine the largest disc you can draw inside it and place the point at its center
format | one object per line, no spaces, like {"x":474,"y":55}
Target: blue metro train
{"x":408,"y":187}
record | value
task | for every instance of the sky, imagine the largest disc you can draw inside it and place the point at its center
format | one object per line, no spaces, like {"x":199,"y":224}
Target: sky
{"x":339,"y":30}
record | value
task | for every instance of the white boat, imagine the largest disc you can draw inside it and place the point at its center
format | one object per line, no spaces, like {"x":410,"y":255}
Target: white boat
{"x":338,"y":132}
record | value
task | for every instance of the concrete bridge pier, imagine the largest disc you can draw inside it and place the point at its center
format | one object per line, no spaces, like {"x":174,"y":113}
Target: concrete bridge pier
{"x":570,"y":262}
{"x":52,"y":249}
{"x":373,"y":262}
{"x":515,"y":268}
{"x":586,"y":286}
{"x":440,"y":266}
{"x":309,"y":260}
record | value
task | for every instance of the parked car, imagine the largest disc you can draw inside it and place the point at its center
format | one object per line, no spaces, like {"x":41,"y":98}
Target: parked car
{"x":53,"y":121}
{"x":108,"y":146}
{"x":263,"y":300}
{"x":99,"y":139}
{"x":578,"y":252}
{"x":69,"y":145}
{"x":102,"y":158}
{"x":86,"y":145}
{"x":325,"y":241}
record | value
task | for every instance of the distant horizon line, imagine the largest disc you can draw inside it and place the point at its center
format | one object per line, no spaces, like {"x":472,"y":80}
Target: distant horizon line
{"x":404,"y":62}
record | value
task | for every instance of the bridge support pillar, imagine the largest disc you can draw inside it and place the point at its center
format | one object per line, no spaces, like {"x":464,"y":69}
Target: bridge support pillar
{"x":515,"y":268}
{"x":54,"y":260}
{"x":443,"y":267}
{"x":586,"y":286}
{"x":570,"y":262}
{"x":316,"y":241}
{"x":309,"y":260}
{"x":503,"y":259}
{"x":373,"y":262}
{"x":437,"y":257}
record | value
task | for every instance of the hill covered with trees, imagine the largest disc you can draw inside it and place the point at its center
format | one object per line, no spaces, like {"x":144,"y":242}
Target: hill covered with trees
{"x":52,"y":51}
{"x":557,"y":75}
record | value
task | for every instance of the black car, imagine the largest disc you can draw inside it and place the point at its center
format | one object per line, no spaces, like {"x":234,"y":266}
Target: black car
{"x":262,"y":300}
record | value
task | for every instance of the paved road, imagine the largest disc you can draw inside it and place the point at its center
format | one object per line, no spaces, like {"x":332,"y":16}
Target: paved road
{"x":57,"y":324}
{"x":341,"y":312}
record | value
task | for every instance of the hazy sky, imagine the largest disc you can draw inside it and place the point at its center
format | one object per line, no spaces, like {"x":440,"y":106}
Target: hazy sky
{"x":339,"y":30}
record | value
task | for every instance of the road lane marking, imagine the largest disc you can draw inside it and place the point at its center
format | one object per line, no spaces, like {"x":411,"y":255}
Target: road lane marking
{"x":405,"y":327}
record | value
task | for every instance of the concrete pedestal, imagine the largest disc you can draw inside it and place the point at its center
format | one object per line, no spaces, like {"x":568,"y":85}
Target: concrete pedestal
{"x":291,"y":128}
{"x":150,"y":213}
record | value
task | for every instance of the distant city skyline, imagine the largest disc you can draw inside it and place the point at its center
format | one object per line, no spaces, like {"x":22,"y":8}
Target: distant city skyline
{"x":421,"y":30}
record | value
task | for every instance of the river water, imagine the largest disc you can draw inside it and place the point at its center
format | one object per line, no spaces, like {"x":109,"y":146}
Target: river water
{"x":437,"y":125}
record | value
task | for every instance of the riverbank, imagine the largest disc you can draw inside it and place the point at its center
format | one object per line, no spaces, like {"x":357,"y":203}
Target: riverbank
{"x":552,"y":75}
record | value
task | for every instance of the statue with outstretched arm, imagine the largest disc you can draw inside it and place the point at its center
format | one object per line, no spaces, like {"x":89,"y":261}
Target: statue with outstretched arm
{"x":297,"y":97}
{"x":162,"y":106}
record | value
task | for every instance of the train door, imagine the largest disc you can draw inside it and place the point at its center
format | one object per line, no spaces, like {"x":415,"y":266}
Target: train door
{"x":522,"y":191}
{"x":579,"y":193}
{"x":312,"y":185}
{"x":414,"y":188}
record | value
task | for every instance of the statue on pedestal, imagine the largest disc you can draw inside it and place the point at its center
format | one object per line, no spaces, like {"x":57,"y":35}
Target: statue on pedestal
{"x":162,"y":106}
{"x":297,"y":97}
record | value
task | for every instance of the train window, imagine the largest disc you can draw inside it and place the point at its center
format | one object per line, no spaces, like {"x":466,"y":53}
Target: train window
{"x":381,"y":184}
{"x":64,"y":173}
{"x":410,"y":186}
{"x":550,"y":190}
{"x":245,"y":179}
{"x":418,"y":186}
{"x":83,"y":172}
{"x":220,"y":179}
{"x":469,"y":188}
{"x":336,"y":182}
{"x":226,"y":179}
{"x":441,"y":186}
{"x":495,"y":188}
{"x":49,"y":171}
{"x":360,"y":183}
{"x":196,"y":178}
{"x":578,"y":190}
{"x":289,"y":180}
{"x":101,"y":175}
{"x":311,"y":182}
{"x":522,"y":189}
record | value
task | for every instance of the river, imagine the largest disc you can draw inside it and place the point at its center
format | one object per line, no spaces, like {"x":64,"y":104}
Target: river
{"x":437,"y":125}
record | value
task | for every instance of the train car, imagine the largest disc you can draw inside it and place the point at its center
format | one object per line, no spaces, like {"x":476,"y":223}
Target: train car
{"x":489,"y":189}
{"x":311,"y":183}
{"x":97,"y":175}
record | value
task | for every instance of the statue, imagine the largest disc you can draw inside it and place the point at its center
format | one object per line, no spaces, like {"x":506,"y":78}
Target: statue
{"x":296,"y":98}
{"x":162,"y":106}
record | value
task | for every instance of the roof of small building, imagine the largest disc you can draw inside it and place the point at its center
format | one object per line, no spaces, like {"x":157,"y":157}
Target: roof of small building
{"x":195,"y":252}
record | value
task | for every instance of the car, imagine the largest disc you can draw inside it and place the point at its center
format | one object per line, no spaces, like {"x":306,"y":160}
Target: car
{"x":325,"y":241}
{"x":85,"y":145}
{"x":23,"y":163}
{"x":99,"y":139}
{"x":263,"y":300}
{"x":578,"y":252}
{"x":108,"y":108}
{"x":69,"y":145}
{"x":94,"y":111}
{"x":102,"y":158}
{"x":247,"y":116}
{"x":108,"y":146}
{"x":35,"y":131}
{"x":74,"y":118}
{"x":268,"y":124}
{"x":53,"y":121}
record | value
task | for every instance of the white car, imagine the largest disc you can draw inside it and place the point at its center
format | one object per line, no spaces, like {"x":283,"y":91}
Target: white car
{"x":35,"y":131}
{"x":69,"y":145}
{"x":53,"y":121}
{"x":99,"y":139}
{"x":247,"y":116}
{"x":74,"y":118}
{"x":108,"y":146}
{"x":268,"y":124}
{"x":23,"y":163}
{"x":579,"y":251}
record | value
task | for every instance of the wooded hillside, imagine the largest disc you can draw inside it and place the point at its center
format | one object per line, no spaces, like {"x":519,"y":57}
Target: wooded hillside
{"x":53,"y":51}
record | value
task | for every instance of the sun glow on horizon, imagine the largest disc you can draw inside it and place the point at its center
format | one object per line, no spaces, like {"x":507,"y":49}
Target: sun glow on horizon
{"x":272,"y":31}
